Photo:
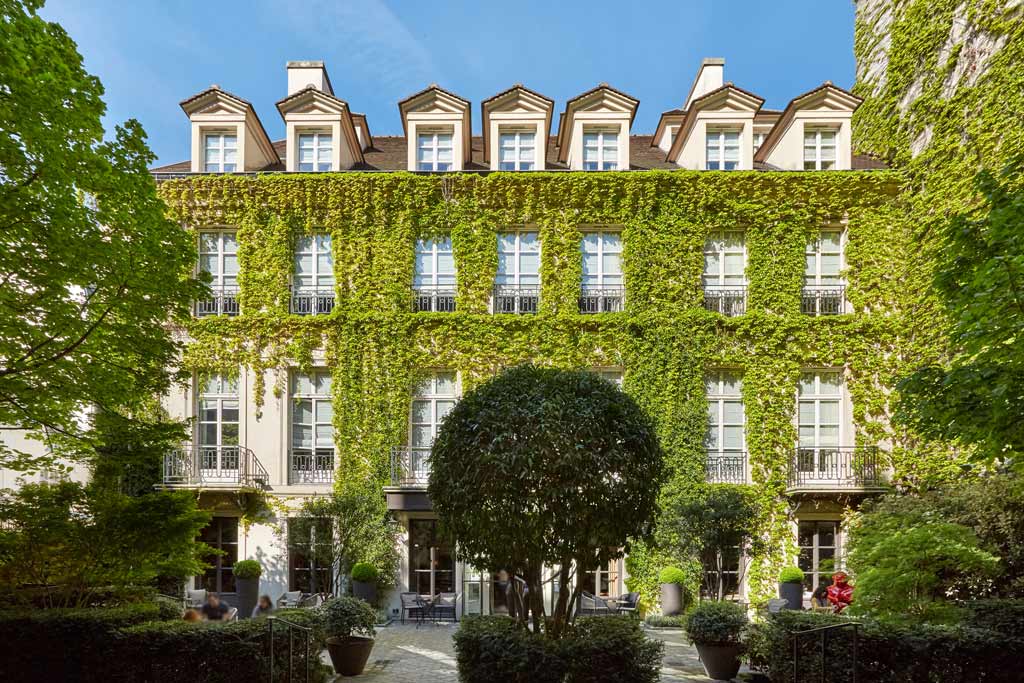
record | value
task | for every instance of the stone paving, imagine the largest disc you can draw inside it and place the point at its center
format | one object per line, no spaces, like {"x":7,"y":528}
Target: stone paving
{"x":407,"y":654}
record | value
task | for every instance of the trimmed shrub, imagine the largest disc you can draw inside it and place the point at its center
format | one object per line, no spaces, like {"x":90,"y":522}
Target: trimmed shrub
{"x":1004,"y":616}
{"x":716,"y":623}
{"x":601,"y":649}
{"x":661,"y":621}
{"x":672,"y":575}
{"x":348,"y":616}
{"x":364,"y":572}
{"x":492,"y":648}
{"x":791,"y":575}
{"x":247,"y":569}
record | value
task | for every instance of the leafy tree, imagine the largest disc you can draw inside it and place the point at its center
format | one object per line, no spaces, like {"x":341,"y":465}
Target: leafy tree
{"x":718,"y":524}
{"x":976,"y":398}
{"x":91,"y":270}
{"x":69,"y":539}
{"x":539,"y":468}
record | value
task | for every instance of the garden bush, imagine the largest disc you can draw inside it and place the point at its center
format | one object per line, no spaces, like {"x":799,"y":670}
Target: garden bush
{"x":601,"y":649}
{"x":365,"y":572}
{"x":791,"y":575}
{"x":247,"y":569}
{"x":716,"y":623}
{"x":673,"y":575}
{"x":661,"y":621}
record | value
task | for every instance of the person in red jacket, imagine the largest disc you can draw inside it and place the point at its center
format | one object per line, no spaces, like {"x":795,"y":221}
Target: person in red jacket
{"x":840,"y":593}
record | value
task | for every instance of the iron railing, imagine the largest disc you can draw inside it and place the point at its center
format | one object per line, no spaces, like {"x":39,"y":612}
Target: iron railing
{"x":517,"y":300}
{"x":726,"y":468}
{"x":311,"y":467}
{"x":305,"y":635}
{"x":602,"y":299}
{"x":312,"y":300}
{"x":729,"y":301}
{"x":213,"y":465}
{"x":223,"y":302}
{"x":836,"y":467}
{"x":433,"y":300}
{"x":822,"y":634}
{"x":823,"y":300}
{"x":410,"y":467}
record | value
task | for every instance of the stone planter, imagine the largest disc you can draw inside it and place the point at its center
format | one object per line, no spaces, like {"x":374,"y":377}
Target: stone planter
{"x":793,"y":593}
{"x":671,"y":599}
{"x":349,"y":655}
{"x":721,"y":662}
{"x":366,"y":591}
{"x":248,"y":592}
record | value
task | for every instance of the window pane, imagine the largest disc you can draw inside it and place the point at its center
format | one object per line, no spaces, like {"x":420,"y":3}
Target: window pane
{"x":807,"y":412}
{"x":529,"y":263}
{"x":807,"y":383}
{"x":421,"y":411}
{"x":831,"y":382}
{"x":590,"y":264}
{"x":590,"y":242}
{"x":446,"y":383}
{"x":732,"y":412}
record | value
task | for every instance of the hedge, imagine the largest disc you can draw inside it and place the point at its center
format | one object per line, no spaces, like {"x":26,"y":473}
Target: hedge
{"x":887,"y":653}
{"x":144,"y":642}
{"x":492,"y":648}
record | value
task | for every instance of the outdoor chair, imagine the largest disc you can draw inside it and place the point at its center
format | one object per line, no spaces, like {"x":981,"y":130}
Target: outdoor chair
{"x":232,"y":614}
{"x":593,"y":606}
{"x":444,"y":606}
{"x":629,"y":603}
{"x":196,"y":598}
{"x":290,"y":599}
{"x":412,"y":605}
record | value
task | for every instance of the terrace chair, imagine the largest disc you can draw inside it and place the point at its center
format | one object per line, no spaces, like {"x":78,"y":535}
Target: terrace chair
{"x":592,"y":606}
{"x":195,"y":598}
{"x":412,"y":605}
{"x":629,"y":603}
{"x":232,"y":614}
{"x":444,"y":606}
{"x":290,"y":599}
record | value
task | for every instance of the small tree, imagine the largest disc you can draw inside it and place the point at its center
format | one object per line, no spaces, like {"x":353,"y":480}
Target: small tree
{"x":718,"y":525}
{"x":545,"y":468}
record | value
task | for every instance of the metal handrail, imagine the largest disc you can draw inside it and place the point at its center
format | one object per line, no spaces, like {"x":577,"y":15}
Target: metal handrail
{"x":200,"y":464}
{"x":410,"y":467}
{"x":433,"y":299}
{"x":223,"y":302}
{"x":823,"y":300}
{"x":311,"y":300}
{"x":836,"y":466}
{"x":602,"y":299}
{"x":516,"y":299}
{"x":724,"y":467}
{"x":292,"y":627}
{"x":728,"y":300}
{"x":823,"y":631}
{"x":311,"y":466}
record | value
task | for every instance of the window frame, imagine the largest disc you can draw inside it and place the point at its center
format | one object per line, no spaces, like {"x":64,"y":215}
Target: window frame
{"x":221,"y":566}
{"x":818,"y":158}
{"x":813,"y":575}
{"x":602,"y":251}
{"x":817,"y":399}
{"x":222,"y":148}
{"x":813,"y":248}
{"x":435,"y":147}
{"x":321,"y":245}
{"x":420,"y":454}
{"x":714,"y":238}
{"x":228,"y":392}
{"x":221,"y":254}
{"x":518,"y":147}
{"x":720,"y":147}
{"x":435,"y":252}
{"x":717,"y":397}
{"x":600,"y":136}
{"x":317,"y":455}
{"x":316,"y":147}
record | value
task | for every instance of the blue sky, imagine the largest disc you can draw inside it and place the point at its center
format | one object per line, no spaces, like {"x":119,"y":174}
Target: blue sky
{"x":152,"y":54}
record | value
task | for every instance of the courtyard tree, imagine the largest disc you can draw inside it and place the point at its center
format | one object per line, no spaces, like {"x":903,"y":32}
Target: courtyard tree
{"x":91,"y":270}
{"x":543,"y":468}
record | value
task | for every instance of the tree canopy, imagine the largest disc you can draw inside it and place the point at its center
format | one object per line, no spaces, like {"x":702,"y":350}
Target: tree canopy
{"x":91,"y":270}
{"x":541,"y":467}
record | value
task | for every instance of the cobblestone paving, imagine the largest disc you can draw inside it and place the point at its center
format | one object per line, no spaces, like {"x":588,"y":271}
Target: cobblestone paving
{"x":407,"y":654}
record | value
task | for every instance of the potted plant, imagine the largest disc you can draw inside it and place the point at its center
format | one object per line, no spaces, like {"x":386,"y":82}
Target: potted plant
{"x":349,"y":624}
{"x":673,"y":582}
{"x":247,"y":585}
{"x":717,"y":628}
{"x":364,"y":582}
{"x":791,"y":587}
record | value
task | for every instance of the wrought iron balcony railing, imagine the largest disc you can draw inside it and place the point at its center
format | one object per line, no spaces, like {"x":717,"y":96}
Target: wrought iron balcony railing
{"x":433,"y":300}
{"x":821,"y":300}
{"x":307,"y":466}
{"x":729,"y":301}
{"x":602,"y":299}
{"x":312,"y":300}
{"x":836,"y":468}
{"x":516,"y":300}
{"x":193,"y":465}
{"x":725,"y":467}
{"x":410,"y":467}
{"x":223,"y":302}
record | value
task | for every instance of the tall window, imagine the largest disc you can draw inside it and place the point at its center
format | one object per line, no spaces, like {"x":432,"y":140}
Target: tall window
{"x":725,"y":257}
{"x":823,"y":289}
{"x":819,"y":551}
{"x":312,"y":428}
{"x":602,"y":272}
{"x":220,"y":534}
{"x":517,"y":151}
{"x":819,"y":150}
{"x":218,"y":256}
{"x":517,"y":284}
{"x":723,"y":150}
{"x":600,"y":150}
{"x":217,"y":427}
{"x":434,"y":152}
{"x":435,"y":275}
{"x":314,"y":275}
{"x":220,"y":153}
{"x":604,"y":581}
{"x":315,"y":152}
{"x":821,"y":396}
{"x":431,"y":561}
{"x":725,"y":440}
{"x":310,"y":543}
{"x":434,"y":399}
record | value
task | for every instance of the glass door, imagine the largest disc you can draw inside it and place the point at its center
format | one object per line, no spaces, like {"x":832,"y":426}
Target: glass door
{"x":431,"y":562}
{"x":217,"y":424}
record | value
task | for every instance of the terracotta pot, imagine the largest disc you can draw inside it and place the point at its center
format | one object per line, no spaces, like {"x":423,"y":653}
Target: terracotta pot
{"x":721,"y":662}
{"x":349,"y":655}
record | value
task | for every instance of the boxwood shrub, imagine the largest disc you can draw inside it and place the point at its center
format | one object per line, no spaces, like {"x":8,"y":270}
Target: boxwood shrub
{"x":662,"y":621}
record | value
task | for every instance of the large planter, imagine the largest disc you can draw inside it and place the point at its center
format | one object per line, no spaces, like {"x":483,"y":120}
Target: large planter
{"x":365,"y":590}
{"x":349,"y":655}
{"x":793,"y":594}
{"x":671,"y":599}
{"x":721,"y":662}
{"x":248,"y":591}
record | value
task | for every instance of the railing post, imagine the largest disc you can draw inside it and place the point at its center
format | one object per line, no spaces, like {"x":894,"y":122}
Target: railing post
{"x":291,"y":654}
{"x":824,"y":633}
{"x":855,"y":653}
{"x":796,"y":660}
{"x":270,"y":620}
{"x":307,"y":657}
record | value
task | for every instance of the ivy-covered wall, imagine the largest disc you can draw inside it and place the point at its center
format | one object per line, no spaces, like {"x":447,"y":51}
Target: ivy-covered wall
{"x":664,"y":340}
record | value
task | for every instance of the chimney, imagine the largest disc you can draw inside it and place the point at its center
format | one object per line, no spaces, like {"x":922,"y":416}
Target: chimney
{"x":308,"y":73}
{"x":710,"y":77}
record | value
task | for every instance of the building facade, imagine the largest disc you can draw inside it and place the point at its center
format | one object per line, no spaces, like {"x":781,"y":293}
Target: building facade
{"x":736,"y":272}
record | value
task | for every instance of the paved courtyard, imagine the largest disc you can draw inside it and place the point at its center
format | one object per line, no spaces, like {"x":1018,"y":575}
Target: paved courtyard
{"x":407,"y":654}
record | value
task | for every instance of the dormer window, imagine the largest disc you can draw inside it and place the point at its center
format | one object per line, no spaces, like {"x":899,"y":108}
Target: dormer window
{"x":819,"y":150}
{"x":517,"y":151}
{"x":221,"y":153}
{"x":723,"y":150}
{"x":758,"y":139}
{"x":600,"y":150}
{"x":315,"y":152}
{"x":434,"y":151}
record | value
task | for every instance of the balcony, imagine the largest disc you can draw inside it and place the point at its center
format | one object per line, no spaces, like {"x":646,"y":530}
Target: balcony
{"x":311,"y":467}
{"x":836,"y":469}
{"x":816,"y":300}
{"x":311,"y":300}
{"x":602,"y":299}
{"x":726,"y":468}
{"x":516,"y":300}
{"x":214,"y":466}
{"x":223,"y":302}
{"x":433,"y":301}
{"x":729,"y":301}
{"x":410,"y":468}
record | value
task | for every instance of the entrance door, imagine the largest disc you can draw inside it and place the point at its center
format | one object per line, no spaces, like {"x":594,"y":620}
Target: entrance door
{"x":431,"y":564}
{"x":221,"y":534}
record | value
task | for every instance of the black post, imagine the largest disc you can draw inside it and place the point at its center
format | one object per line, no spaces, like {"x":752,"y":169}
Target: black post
{"x":307,"y":657}
{"x":796,"y":661}
{"x":855,"y":653}
{"x":291,"y":654}
{"x":824,"y":633}
{"x":271,"y":623}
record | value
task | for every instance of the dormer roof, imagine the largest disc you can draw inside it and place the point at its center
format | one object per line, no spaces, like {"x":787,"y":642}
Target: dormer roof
{"x":727,"y":97}
{"x":311,"y":100}
{"x":214,"y":101}
{"x":518,"y":98}
{"x":825,"y":96}
{"x":603,"y":97}
{"x":435,"y":99}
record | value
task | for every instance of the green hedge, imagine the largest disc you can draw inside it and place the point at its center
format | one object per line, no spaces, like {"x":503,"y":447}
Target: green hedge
{"x":143,"y":642}
{"x":887,"y":653}
{"x":491,"y":648}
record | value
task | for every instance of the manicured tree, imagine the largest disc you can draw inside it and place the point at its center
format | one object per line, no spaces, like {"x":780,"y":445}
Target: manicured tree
{"x":541,"y":467}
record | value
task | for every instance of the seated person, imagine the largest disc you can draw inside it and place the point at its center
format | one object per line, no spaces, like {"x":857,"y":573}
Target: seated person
{"x":214,"y":609}
{"x":820,"y":596}
{"x":191,"y":615}
{"x":263,"y":608}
